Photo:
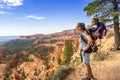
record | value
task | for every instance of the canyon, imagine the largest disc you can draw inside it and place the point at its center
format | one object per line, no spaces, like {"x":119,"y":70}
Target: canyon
{"x":32,"y":64}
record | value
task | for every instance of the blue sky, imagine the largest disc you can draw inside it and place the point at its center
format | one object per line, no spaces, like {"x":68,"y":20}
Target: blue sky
{"x":27,"y":17}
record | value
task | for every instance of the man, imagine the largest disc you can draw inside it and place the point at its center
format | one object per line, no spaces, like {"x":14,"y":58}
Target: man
{"x":84,"y":47}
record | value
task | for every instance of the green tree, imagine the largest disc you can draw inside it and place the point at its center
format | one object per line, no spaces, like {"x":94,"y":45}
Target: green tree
{"x":108,"y":10}
{"x":68,"y":51}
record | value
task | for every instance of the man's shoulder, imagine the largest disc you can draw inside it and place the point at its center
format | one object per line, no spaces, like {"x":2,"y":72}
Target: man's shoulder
{"x":85,"y":32}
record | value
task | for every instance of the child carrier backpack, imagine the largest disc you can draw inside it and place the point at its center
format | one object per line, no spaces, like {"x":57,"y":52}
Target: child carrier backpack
{"x":103,"y":30}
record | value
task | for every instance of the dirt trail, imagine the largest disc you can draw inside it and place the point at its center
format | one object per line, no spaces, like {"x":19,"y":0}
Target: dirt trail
{"x":103,"y":70}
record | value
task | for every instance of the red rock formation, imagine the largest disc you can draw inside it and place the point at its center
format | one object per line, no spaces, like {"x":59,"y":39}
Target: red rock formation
{"x":24,"y":53}
{"x":16,"y":75}
{"x":56,"y":40}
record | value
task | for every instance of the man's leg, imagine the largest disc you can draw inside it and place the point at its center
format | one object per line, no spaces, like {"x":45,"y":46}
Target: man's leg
{"x":89,"y":71}
{"x":86,"y":61}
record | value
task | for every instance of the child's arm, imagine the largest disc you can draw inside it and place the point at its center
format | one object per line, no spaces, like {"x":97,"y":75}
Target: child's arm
{"x":92,"y":27}
{"x":97,"y":31}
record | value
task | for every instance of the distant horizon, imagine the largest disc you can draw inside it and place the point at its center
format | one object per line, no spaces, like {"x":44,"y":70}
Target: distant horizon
{"x":33,"y":34}
{"x":7,"y":38}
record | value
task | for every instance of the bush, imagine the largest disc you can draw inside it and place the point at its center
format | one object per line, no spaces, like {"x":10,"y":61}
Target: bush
{"x":59,"y":61}
{"x":46,"y":76}
{"x":100,"y":57}
{"x":61,"y":73}
{"x":110,"y":35}
{"x":7,"y":74}
{"x":76,"y":62}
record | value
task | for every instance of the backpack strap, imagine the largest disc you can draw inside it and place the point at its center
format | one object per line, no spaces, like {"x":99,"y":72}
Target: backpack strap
{"x":83,"y":38}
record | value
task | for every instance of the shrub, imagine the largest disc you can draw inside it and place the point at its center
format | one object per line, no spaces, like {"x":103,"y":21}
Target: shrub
{"x":59,"y":61}
{"x":46,"y":76}
{"x":110,"y":35}
{"x":76,"y":62}
{"x":61,"y":73}
{"x":7,"y":74}
{"x":100,"y":57}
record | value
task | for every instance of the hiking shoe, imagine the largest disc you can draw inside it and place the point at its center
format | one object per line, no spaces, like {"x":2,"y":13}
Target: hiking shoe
{"x":93,"y":78}
{"x":86,"y":78}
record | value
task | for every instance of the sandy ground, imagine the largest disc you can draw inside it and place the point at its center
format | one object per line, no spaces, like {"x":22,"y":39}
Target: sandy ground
{"x":102,"y":70}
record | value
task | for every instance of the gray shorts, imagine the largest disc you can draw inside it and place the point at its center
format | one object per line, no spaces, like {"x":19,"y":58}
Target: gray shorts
{"x":85,"y":58}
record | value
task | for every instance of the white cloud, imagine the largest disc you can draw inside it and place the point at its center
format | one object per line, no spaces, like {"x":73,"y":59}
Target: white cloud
{"x":6,"y":3}
{"x":35,"y":17}
{"x":2,"y":12}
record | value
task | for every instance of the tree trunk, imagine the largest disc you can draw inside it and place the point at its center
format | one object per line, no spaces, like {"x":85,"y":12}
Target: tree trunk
{"x":117,"y":33}
{"x":116,"y":26}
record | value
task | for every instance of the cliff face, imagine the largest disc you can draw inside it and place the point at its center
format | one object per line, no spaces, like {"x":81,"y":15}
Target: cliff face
{"x":39,"y":67}
{"x":38,"y":70}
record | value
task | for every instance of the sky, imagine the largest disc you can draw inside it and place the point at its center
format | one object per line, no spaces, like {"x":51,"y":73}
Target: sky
{"x":28,"y":17}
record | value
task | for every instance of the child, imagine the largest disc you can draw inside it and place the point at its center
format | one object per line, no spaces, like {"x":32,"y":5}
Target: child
{"x":98,"y":29}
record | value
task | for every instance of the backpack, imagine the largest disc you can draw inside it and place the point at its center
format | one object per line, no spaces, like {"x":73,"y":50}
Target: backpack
{"x":103,"y":30}
{"x":92,"y":48}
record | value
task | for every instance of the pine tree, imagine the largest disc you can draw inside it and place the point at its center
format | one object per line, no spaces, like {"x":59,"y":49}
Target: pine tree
{"x":109,"y":11}
{"x":68,"y":51}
